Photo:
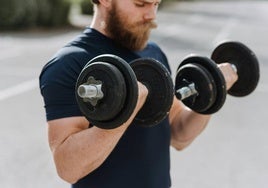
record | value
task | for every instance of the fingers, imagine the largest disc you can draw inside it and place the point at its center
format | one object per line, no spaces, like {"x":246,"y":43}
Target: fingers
{"x":230,"y":74}
{"x":143,"y":93}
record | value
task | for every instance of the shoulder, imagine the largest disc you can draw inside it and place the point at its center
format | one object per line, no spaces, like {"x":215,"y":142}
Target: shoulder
{"x":154,"y":46}
{"x":67,"y":62}
{"x":72,"y":58}
{"x":57,"y":82}
{"x":154,"y":51}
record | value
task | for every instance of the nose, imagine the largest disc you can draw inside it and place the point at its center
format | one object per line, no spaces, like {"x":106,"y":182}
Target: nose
{"x":150,"y":13}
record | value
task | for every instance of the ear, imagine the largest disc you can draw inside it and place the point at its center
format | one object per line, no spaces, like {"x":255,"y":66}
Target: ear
{"x":105,"y":3}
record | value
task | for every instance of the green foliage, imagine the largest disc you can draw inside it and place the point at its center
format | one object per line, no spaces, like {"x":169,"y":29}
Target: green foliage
{"x":86,"y":7}
{"x":16,"y":14}
{"x":165,"y":2}
{"x":53,"y":12}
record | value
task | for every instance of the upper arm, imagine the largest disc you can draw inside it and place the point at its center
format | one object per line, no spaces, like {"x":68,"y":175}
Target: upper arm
{"x":175,"y":112}
{"x":60,"y":129}
{"x":176,"y":118}
{"x":186,"y":124}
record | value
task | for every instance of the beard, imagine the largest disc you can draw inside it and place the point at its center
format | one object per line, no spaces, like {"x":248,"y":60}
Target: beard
{"x":133,"y":36}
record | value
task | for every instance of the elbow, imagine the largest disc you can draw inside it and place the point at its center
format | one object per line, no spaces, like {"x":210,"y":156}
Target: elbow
{"x":65,"y":170}
{"x":69,"y":168}
{"x":179,"y":146}
{"x":66,"y":176}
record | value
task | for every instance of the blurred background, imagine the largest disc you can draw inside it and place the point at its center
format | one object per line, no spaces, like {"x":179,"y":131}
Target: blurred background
{"x":25,"y":14}
{"x":231,"y":153}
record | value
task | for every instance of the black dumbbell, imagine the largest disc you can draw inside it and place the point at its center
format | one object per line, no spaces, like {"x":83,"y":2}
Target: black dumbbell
{"x":200,"y":84}
{"x":107,"y":91}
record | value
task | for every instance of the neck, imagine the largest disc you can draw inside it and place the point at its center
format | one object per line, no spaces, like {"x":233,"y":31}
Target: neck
{"x":99,"y":21}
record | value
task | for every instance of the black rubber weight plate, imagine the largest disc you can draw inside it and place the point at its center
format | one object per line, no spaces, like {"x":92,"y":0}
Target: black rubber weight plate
{"x":204,"y":85}
{"x":113,"y":88}
{"x":131,"y":91}
{"x":157,"y":79}
{"x":217,"y":76}
{"x":245,"y":61}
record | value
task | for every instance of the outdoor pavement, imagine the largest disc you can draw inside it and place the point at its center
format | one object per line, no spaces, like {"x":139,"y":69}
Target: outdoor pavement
{"x":231,"y":153}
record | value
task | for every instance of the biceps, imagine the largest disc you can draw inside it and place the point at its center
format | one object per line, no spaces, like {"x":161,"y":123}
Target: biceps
{"x":175,"y":112}
{"x":60,"y":129}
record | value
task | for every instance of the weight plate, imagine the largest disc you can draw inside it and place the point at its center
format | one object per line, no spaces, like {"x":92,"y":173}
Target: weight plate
{"x":246,"y":63}
{"x":131,"y":94}
{"x":204,"y":85}
{"x":157,"y":79}
{"x":113,"y":88}
{"x":217,"y":76}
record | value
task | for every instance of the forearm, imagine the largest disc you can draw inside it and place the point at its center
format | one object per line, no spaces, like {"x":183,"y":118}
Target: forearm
{"x":78,"y":150}
{"x":83,"y":152}
{"x":186,"y":125}
{"x":188,"y":128}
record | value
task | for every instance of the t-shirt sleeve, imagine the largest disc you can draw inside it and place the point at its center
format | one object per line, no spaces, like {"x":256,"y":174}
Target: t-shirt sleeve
{"x":59,"y":101}
{"x":57,"y":86}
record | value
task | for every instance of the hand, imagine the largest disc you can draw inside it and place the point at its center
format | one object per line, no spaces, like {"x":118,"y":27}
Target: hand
{"x":142,"y":95}
{"x":229,"y":73}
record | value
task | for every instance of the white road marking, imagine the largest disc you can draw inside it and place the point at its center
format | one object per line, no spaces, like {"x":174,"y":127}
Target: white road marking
{"x":7,"y":54}
{"x":18,"y":89}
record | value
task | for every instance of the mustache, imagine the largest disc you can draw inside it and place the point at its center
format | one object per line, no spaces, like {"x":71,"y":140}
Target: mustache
{"x":148,"y":24}
{"x":151,"y":24}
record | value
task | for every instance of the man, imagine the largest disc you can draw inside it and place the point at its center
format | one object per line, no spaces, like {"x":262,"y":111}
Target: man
{"x":129,"y":156}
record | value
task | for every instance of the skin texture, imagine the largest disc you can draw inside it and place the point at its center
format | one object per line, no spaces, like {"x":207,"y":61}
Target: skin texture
{"x":79,"y":150}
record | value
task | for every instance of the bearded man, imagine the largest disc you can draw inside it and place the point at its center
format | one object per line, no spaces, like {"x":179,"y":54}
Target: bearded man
{"x":129,"y":156}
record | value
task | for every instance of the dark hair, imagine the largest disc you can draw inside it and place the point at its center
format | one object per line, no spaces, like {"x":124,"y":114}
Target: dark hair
{"x":95,"y":1}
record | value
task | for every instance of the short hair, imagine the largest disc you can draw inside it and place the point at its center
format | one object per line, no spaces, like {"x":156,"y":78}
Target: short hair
{"x":95,"y":1}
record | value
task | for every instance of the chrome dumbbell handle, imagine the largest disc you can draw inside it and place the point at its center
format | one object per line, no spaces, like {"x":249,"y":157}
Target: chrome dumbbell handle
{"x":186,"y":91}
{"x":234,"y":67}
{"x":90,"y":91}
{"x":190,"y":90}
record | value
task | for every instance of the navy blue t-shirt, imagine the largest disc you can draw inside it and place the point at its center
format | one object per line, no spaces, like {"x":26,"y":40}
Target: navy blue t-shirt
{"x":141,"y":159}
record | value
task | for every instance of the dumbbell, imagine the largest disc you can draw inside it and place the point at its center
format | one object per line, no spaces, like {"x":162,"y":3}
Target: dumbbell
{"x":200,"y":85}
{"x":107,"y":91}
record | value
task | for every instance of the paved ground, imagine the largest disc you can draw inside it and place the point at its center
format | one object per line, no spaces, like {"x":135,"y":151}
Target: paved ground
{"x":231,"y":153}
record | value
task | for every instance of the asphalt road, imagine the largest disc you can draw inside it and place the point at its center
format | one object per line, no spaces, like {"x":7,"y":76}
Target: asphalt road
{"x":231,"y":153}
